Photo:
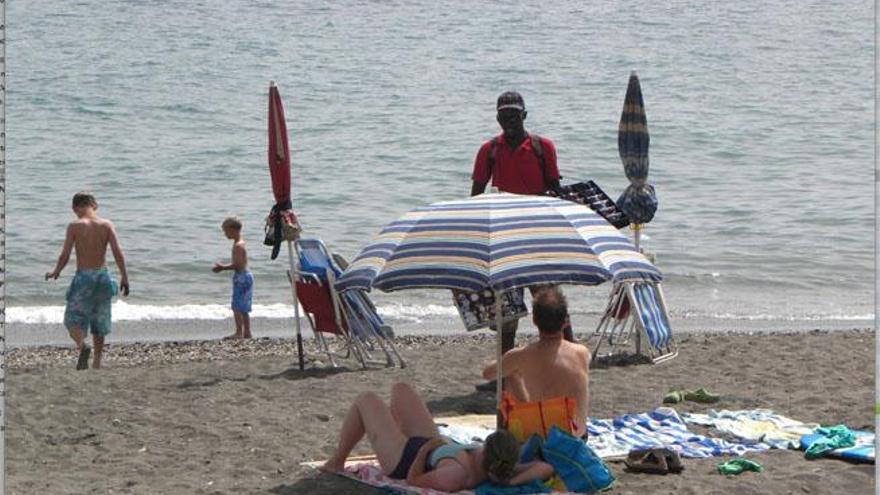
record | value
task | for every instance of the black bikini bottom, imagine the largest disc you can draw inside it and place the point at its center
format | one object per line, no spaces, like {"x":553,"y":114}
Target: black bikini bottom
{"x":410,"y":450}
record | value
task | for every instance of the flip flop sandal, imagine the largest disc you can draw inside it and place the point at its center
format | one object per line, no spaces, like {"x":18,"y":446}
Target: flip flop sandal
{"x":673,"y":397}
{"x":738,"y":465}
{"x":702,"y":396}
{"x":673,"y":459}
{"x":83,"y":362}
{"x":647,"y":461}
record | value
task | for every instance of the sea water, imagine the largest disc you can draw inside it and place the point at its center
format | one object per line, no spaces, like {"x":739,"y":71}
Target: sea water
{"x":760,"y":117}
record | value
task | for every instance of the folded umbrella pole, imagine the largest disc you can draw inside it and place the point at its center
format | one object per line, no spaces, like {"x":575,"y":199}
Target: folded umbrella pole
{"x":282,"y":224}
{"x":639,"y":200}
{"x":299,"y":343}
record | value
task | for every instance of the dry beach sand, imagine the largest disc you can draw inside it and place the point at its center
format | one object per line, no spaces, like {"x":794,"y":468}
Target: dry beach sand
{"x":239,"y":417}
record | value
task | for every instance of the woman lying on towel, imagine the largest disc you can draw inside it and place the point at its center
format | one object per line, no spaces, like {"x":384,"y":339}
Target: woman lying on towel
{"x":408,"y":446}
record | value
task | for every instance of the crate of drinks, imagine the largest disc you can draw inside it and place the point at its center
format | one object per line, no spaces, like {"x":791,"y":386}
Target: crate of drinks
{"x":590,"y":194}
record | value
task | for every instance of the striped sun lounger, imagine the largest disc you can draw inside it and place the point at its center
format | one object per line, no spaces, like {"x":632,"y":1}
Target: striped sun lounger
{"x":653,"y":316}
{"x":636,"y":309}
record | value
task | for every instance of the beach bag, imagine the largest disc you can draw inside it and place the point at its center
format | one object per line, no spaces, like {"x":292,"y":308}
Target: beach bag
{"x":281,"y":225}
{"x":577,"y":467}
{"x":524,"y":419}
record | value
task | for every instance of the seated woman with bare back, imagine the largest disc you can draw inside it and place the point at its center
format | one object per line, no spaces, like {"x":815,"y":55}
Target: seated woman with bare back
{"x":92,"y":288}
{"x":408,"y":446}
{"x":551,"y":367}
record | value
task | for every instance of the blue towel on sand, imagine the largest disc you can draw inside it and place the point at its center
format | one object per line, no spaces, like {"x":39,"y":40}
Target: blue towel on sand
{"x":862,"y":451}
{"x":662,"y":427}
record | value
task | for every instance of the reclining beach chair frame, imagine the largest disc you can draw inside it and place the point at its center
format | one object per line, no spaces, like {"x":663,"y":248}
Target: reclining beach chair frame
{"x":636,"y":311}
{"x":354,"y":318}
{"x":305,"y":279}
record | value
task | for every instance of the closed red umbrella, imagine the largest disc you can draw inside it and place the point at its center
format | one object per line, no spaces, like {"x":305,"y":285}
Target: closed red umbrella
{"x":282,"y":219}
{"x":279,"y":150}
{"x":282,"y":224}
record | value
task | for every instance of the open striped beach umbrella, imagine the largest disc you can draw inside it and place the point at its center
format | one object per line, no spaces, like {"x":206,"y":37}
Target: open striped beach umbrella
{"x":497,"y":241}
{"x":638,"y":201}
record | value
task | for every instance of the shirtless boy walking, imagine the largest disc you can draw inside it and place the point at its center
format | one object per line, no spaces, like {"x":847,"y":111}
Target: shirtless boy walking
{"x":92,"y":289}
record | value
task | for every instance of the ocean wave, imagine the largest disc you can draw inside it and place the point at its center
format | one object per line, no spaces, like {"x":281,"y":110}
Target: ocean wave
{"x":410,"y":313}
{"x":93,"y":111}
{"x":413,"y":312}
{"x":770,"y":317}
{"x":123,"y":311}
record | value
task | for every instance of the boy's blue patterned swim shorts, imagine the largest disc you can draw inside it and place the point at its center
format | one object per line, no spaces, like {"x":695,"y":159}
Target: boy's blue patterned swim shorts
{"x":88,"y":301}
{"x":242,"y":291}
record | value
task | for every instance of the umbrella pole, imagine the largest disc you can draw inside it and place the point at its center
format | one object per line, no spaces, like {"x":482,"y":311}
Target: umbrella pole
{"x":299,"y":342}
{"x":499,"y":339}
{"x":637,"y":235}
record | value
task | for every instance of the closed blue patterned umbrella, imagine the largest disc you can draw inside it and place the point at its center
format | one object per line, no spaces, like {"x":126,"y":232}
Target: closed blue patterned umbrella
{"x":497,"y":241}
{"x":638,"y":200}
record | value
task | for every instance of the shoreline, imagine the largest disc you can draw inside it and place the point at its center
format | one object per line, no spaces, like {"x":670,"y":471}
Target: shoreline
{"x":30,"y":335}
{"x":127,"y":354}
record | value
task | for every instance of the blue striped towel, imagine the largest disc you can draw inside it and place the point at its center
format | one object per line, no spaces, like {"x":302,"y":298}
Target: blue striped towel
{"x":756,"y":425}
{"x":662,"y":427}
{"x":780,"y":432}
{"x":617,"y":437}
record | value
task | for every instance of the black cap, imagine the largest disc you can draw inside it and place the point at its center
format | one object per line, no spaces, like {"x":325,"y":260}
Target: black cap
{"x":510,"y":99}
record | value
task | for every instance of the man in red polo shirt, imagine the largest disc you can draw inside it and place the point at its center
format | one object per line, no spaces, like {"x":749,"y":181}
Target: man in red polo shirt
{"x":516,"y":161}
{"x":519,"y":163}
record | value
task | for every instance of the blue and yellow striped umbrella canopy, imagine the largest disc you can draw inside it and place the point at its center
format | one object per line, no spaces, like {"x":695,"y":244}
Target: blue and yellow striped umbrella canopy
{"x":497,"y":241}
{"x":638,"y":201}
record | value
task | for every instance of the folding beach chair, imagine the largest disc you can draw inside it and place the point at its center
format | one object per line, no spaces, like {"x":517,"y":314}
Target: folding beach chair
{"x":350,"y":317}
{"x":636,"y":311}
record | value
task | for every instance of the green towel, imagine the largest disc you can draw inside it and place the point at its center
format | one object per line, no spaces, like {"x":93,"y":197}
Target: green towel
{"x":836,"y":437}
{"x":700,"y":395}
{"x":738,"y":465}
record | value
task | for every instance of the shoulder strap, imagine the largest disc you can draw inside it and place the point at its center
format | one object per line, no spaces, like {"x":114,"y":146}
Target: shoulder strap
{"x":538,"y":148}
{"x":490,"y":162}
